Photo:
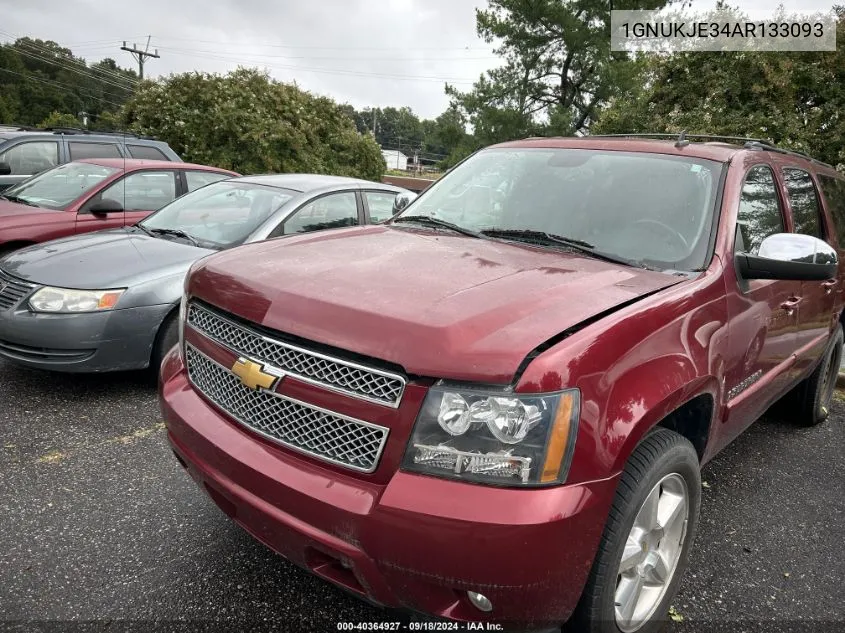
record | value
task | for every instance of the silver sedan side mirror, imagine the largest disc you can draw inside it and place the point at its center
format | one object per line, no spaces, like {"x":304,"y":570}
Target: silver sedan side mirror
{"x":402,"y":200}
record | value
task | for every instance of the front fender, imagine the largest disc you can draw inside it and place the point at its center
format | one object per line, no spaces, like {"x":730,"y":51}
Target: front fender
{"x":634,"y":367}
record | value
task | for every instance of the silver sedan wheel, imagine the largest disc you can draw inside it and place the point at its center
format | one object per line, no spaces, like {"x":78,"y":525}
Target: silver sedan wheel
{"x":652,"y":552}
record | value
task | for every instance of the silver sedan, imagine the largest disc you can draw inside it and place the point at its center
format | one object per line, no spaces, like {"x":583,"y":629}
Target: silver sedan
{"x":109,"y":300}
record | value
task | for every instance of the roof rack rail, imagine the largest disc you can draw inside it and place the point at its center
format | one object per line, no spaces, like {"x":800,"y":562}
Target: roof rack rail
{"x":769,"y":147}
{"x":682,"y":138}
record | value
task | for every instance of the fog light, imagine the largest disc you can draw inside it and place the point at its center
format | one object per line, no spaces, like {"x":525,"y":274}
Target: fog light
{"x":479,"y":601}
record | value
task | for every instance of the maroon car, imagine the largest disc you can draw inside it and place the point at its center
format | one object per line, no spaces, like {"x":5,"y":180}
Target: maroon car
{"x":495,"y":406}
{"x":94,"y":194}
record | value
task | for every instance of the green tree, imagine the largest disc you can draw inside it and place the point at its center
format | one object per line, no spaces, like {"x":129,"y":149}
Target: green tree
{"x":792,"y":99}
{"x":558,"y":70}
{"x":247,"y":122}
{"x":40,"y":77}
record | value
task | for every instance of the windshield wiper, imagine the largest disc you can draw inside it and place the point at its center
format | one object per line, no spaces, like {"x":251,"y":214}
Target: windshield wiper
{"x":175,"y":233}
{"x":437,"y":222}
{"x":144,"y":229}
{"x":542,"y":237}
{"x":18,"y":199}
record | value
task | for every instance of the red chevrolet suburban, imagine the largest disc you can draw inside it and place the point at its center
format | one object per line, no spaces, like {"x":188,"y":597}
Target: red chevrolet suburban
{"x":495,"y":406}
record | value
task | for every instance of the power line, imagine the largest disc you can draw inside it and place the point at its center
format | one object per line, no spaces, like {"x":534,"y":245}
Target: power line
{"x":61,"y":86}
{"x":79,"y":71}
{"x":332,"y":58}
{"x":336,"y":48}
{"x":69,"y":63}
{"x":110,"y":73}
{"x":339,"y":71}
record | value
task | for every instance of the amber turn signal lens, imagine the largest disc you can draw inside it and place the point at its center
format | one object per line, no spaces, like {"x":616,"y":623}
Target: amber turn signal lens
{"x":108,"y":300}
{"x":558,"y":440}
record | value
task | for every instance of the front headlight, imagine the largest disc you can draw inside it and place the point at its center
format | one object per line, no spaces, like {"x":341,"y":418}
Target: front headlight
{"x":50,"y":299}
{"x":496,"y":438}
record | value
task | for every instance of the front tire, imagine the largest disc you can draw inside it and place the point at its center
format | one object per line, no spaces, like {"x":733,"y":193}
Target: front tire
{"x":646,"y":542}
{"x":168,"y":336}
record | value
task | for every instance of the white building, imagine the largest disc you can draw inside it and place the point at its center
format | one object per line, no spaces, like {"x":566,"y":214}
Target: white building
{"x":395,"y":159}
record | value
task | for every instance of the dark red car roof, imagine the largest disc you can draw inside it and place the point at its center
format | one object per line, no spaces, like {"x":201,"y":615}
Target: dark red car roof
{"x":132,"y":164}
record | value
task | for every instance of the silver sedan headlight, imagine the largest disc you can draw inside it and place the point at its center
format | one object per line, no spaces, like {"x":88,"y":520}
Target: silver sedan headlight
{"x":67,"y":300}
{"x":494,"y":437}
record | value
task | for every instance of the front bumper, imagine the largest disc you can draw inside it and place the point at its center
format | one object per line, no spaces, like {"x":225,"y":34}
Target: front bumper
{"x":113,"y":340}
{"x":417,"y":542}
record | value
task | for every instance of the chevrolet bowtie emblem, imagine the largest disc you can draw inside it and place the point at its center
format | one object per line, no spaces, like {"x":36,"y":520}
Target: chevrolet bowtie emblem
{"x":253,"y":375}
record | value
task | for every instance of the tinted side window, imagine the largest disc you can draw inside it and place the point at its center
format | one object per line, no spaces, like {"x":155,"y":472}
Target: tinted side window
{"x":30,"y":158}
{"x":197,"y":179}
{"x":759,"y":210}
{"x":380,"y":204}
{"x":93,"y":150}
{"x":329,"y":212}
{"x":803,"y":201}
{"x":145,"y":152}
{"x":834,"y":192}
{"x":144,"y":191}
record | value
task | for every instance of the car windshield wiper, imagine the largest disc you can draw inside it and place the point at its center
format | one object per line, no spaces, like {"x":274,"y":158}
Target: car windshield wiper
{"x":437,"y":222}
{"x":19,"y":200}
{"x":542,"y":237}
{"x":144,"y":229}
{"x":176,"y":233}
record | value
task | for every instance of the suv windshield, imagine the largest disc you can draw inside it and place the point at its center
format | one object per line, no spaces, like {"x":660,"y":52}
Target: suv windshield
{"x":58,"y":187}
{"x":219,"y":215}
{"x":651,"y":209}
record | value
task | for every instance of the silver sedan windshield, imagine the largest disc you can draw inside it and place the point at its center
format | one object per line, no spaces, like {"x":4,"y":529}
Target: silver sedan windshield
{"x":222,"y":214}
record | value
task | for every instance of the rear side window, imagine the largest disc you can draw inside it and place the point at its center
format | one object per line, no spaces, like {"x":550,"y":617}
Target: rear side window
{"x":197,"y":179}
{"x":144,"y":191}
{"x":380,"y":204}
{"x":834,"y":192}
{"x":759,"y":210}
{"x":145,"y":152}
{"x":31,"y":157}
{"x":93,"y":150}
{"x":803,"y":201}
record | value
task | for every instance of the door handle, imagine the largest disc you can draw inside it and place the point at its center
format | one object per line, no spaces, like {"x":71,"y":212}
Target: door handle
{"x":790,"y":304}
{"x":829,"y":285}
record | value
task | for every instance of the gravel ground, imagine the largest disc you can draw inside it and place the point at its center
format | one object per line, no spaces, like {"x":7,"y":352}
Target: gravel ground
{"x":99,"y":524}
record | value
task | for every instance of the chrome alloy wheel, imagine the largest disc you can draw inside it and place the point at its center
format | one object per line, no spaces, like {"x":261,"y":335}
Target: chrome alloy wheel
{"x":652,"y":552}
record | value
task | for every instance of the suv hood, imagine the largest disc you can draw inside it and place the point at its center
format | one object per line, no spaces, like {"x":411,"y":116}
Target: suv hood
{"x":435,"y":303}
{"x":105,"y":259}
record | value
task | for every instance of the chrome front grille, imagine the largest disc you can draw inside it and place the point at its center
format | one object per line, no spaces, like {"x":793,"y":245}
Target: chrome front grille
{"x":297,"y":425}
{"x":337,"y":374}
{"x":12,"y":290}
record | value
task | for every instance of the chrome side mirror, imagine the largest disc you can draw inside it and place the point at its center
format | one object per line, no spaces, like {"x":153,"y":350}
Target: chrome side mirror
{"x":402,"y":200}
{"x":790,"y":256}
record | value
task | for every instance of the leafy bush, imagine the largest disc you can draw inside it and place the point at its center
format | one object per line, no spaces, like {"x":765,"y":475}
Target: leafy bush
{"x":247,"y":122}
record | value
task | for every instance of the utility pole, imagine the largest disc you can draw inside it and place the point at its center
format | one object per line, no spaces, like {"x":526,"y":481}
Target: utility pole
{"x":140,"y":55}
{"x":374,"y":122}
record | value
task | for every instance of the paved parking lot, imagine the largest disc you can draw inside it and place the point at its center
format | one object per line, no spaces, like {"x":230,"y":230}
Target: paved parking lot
{"x":98,"y":522}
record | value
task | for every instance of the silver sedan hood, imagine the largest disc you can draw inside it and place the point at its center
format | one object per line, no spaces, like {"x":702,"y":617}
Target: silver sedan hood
{"x":105,"y":259}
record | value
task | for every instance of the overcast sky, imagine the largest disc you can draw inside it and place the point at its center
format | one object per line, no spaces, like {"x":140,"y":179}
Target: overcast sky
{"x":365,"y":52}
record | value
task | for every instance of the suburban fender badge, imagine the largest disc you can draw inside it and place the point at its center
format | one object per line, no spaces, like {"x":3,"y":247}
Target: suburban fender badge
{"x":253,"y":375}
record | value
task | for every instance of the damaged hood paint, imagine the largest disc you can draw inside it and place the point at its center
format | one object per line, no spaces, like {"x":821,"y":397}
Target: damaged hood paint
{"x":435,"y":303}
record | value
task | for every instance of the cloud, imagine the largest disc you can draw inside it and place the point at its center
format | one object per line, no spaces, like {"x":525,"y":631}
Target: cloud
{"x":386,"y":53}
